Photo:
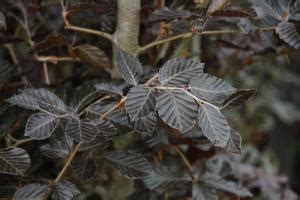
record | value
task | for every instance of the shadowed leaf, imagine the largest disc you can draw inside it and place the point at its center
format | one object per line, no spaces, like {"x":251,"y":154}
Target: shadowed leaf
{"x":288,"y":33}
{"x":2,"y":21}
{"x":84,"y":168}
{"x":132,"y":165}
{"x":34,"y":191}
{"x":65,"y":190}
{"x":14,"y":161}
{"x":40,"y":126}
{"x":129,"y":67}
{"x":238,"y":98}
{"x":81,"y":130}
{"x":234,"y":142}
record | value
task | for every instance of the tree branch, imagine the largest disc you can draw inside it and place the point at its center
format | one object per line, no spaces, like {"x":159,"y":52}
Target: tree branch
{"x":191,"y":34}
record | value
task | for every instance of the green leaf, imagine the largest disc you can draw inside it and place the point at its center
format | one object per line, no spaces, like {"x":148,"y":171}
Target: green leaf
{"x":129,"y":67}
{"x":288,"y":33}
{"x":65,"y":190}
{"x":213,"y":125}
{"x":210,"y":88}
{"x":177,"y":109}
{"x":81,"y":130}
{"x":140,"y":101}
{"x":14,"y":161}
{"x":130,"y":164}
{"x":92,"y":55}
{"x":34,"y":191}
{"x":179,"y":71}
{"x":40,"y":126}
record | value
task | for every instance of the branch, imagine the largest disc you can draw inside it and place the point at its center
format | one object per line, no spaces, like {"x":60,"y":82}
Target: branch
{"x":90,"y":31}
{"x":191,"y":34}
{"x":53,"y":59}
{"x":62,"y":172}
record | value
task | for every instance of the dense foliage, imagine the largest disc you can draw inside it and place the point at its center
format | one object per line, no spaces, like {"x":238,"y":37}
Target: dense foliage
{"x":78,"y":104}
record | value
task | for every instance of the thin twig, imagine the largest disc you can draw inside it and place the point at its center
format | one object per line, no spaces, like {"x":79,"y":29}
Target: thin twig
{"x":90,"y":31}
{"x":19,"y":142}
{"x":184,"y":159}
{"x":46,"y":73}
{"x":53,"y":59}
{"x":190,"y":34}
{"x":70,"y":158}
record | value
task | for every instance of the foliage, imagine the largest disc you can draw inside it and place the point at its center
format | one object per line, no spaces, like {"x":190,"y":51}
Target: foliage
{"x":100,"y":108}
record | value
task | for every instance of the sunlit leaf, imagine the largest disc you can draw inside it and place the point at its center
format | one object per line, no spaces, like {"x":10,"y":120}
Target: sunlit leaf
{"x":130,"y":164}
{"x":213,"y":125}
{"x":177,"y":109}
{"x":14,"y":161}
{"x":179,"y":71}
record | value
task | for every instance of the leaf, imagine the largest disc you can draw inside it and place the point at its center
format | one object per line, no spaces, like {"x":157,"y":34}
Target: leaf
{"x":24,"y":100}
{"x":34,"y":191}
{"x":238,"y":98}
{"x":218,"y":183}
{"x":2,"y":21}
{"x":288,"y":33}
{"x":65,"y":191}
{"x":140,"y":101}
{"x":81,"y":130}
{"x":109,"y":88}
{"x":129,"y":67}
{"x":269,"y":7}
{"x":234,"y":142}
{"x":52,"y":40}
{"x":92,"y":55}
{"x":14,"y":161}
{"x":165,"y":14}
{"x":146,"y":124}
{"x":99,"y":143}
{"x":105,"y":127}
{"x":177,"y":109}
{"x":84,"y":168}
{"x":143,"y":195}
{"x":202,"y":192}
{"x":40,"y":126}
{"x":213,"y":125}
{"x":179,"y":71}
{"x":130,"y":164}
{"x":162,"y":180}
{"x":157,"y":139}
{"x":6,"y":71}
{"x":216,"y":5}
{"x":47,"y":100}
{"x":55,"y":150}
{"x":210,"y":88}
{"x":245,"y":25}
